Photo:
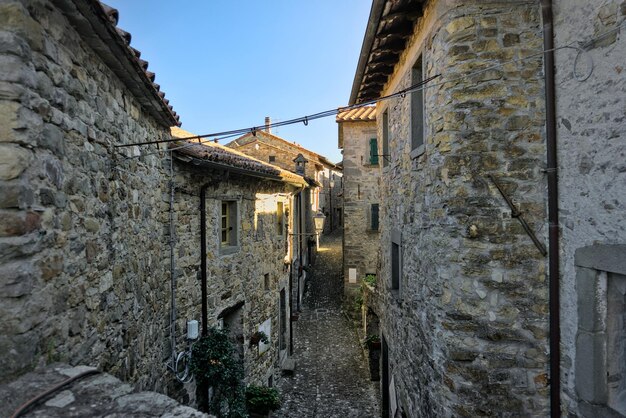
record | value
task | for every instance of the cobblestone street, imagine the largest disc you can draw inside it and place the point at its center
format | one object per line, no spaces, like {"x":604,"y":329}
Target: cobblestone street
{"x":331,"y":377}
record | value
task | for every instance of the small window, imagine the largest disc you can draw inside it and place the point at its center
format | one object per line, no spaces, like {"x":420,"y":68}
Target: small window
{"x":272,"y":158}
{"x":280,"y":218}
{"x":386,"y":156}
{"x":373,"y":151}
{"x":374,"y":217}
{"x":266,"y":282}
{"x":396,"y":261}
{"x":417,"y":107}
{"x":228,"y":224}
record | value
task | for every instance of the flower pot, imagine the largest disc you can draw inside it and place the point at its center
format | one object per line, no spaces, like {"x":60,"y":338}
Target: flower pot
{"x":259,"y":415}
{"x":375,"y":346}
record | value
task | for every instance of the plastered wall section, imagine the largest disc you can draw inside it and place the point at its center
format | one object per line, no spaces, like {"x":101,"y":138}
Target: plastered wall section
{"x":591,"y":136}
{"x":467,"y":327}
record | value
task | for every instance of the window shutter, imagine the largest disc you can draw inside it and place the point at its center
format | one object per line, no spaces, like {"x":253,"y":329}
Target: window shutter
{"x":374,"y":217}
{"x":373,"y":151}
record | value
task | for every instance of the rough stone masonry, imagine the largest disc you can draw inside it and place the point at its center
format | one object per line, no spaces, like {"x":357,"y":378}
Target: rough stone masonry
{"x":84,"y":239}
{"x":465,"y":321}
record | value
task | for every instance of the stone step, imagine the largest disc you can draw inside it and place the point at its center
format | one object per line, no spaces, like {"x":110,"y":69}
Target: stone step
{"x":92,"y":395}
{"x":288,"y":367}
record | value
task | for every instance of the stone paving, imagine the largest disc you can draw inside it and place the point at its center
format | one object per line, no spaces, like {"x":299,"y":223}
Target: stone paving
{"x":331,"y":378}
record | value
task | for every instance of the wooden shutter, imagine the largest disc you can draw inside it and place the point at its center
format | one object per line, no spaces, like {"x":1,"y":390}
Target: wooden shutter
{"x":373,"y":151}
{"x":374,"y":224}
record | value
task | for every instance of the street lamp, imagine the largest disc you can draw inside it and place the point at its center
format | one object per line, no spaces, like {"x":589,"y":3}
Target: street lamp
{"x":319,"y":218}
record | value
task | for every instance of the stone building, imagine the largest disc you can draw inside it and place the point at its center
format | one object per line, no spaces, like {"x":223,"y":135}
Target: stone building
{"x":361,"y":202}
{"x":99,"y":243}
{"x":473,"y":259}
{"x":248,"y":212}
{"x":324,"y":176}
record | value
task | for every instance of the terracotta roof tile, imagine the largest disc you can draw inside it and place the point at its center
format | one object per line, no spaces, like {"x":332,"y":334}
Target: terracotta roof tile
{"x":360,"y":114}
{"x":249,"y":137}
{"x":214,"y":152}
{"x":113,"y":18}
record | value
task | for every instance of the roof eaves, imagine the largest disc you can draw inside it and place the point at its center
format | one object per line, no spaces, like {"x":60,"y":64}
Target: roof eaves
{"x":97,"y":25}
{"x":368,"y":40}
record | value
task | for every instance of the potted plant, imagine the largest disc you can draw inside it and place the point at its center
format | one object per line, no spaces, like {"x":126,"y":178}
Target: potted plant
{"x":261,"y":401}
{"x":372,"y":342}
{"x":258,"y":337}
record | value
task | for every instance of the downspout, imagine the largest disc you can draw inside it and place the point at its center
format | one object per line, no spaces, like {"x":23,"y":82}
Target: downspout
{"x":172,"y":267}
{"x":203,"y":274}
{"x":553,"y":210}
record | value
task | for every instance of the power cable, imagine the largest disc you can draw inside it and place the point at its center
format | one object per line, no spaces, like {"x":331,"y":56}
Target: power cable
{"x":423,"y":85}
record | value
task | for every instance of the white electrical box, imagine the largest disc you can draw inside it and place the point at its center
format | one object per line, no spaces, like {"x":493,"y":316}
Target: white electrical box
{"x":192,"y":329}
{"x":351,"y":275}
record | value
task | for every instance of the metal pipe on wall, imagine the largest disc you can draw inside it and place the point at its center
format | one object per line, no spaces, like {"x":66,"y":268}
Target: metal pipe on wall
{"x":203,"y":270}
{"x":553,"y":210}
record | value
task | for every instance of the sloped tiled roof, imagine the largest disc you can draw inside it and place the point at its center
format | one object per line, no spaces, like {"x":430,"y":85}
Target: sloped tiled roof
{"x":96,"y":23}
{"x":220,"y":154}
{"x":249,"y":138}
{"x":360,"y":114}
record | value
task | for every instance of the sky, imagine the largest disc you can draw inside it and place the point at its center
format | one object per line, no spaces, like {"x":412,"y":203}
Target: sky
{"x":226,"y":64}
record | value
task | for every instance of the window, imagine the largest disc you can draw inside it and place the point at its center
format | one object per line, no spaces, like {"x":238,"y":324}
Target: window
{"x":374,"y":217}
{"x":267,"y":284}
{"x":396,"y":260}
{"x":373,"y":151}
{"x":280,"y":218}
{"x":272,"y":158}
{"x":600,"y":366}
{"x":228,"y":224}
{"x":417,"y":107}
{"x":386,"y":155}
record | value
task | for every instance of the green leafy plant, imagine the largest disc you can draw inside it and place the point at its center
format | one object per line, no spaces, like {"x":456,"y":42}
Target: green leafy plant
{"x":370,"y":280}
{"x":262,"y":399}
{"x":214,"y":363}
{"x":370,"y":340}
{"x":259,"y":337}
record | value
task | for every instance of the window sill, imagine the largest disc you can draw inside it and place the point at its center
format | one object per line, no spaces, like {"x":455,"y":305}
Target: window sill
{"x":229,"y":250}
{"x":418,"y":152}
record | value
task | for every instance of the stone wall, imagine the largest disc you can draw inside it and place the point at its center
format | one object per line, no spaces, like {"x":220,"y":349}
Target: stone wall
{"x":237,"y":279}
{"x":81,"y":235}
{"x":360,"y":190}
{"x":467,"y":326}
{"x":591,"y":137}
{"x":84,"y":237}
{"x":283,"y":152}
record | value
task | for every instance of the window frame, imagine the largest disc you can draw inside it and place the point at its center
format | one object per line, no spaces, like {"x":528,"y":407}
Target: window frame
{"x":231,"y":221}
{"x":373,"y":151}
{"x":372,"y":217}
{"x":280,"y":218}
{"x":395,"y":260}
{"x":385,"y":134}
{"x":417,"y":109}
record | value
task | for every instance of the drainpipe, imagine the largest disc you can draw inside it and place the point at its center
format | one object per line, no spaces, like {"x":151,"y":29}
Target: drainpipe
{"x":203,"y":278}
{"x":172,"y":267}
{"x":553,"y":210}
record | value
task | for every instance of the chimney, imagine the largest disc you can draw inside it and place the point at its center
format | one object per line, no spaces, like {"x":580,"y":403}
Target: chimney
{"x":268,"y":125}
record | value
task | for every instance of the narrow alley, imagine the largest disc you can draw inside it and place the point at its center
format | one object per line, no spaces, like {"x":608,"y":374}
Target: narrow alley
{"x":331,"y":377}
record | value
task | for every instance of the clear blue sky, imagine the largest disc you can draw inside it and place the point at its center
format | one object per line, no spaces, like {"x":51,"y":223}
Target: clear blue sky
{"x":226,"y":64}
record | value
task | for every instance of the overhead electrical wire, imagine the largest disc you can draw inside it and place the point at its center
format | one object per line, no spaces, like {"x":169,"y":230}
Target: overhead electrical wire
{"x":424,"y":84}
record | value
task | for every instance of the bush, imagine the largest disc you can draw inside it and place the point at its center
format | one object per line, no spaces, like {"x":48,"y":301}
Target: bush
{"x":262,"y":399}
{"x":370,"y":280}
{"x":214,"y":363}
